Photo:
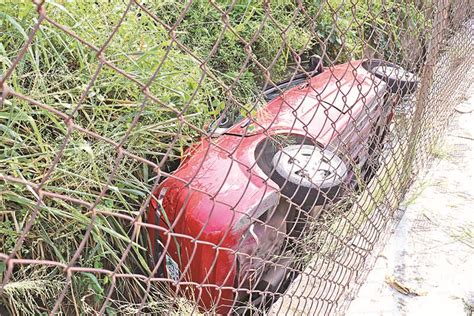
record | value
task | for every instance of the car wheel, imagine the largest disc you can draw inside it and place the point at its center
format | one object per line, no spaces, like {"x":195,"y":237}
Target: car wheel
{"x":398,"y":79}
{"x":305,"y":173}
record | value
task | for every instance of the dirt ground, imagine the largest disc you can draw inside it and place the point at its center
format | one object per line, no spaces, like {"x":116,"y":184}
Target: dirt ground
{"x":427,"y":266}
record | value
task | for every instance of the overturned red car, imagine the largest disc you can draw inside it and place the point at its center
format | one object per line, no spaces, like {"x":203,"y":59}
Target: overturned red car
{"x":240,"y":199}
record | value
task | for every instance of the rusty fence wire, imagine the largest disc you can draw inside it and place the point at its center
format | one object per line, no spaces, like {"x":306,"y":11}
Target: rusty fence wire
{"x":231,"y":156}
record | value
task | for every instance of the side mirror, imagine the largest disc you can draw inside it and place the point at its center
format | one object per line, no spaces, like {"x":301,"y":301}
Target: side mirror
{"x":224,"y":122}
{"x":315,"y":67}
{"x":315,"y":64}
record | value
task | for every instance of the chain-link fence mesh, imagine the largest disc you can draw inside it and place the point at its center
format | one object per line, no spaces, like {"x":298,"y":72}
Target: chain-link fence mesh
{"x":213,"y":156}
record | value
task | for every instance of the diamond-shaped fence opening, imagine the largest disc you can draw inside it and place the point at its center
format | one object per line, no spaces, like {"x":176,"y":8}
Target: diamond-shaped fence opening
{"x":213,"y":157}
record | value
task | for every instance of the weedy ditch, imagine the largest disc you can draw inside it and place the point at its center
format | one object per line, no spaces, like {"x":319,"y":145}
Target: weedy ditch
{"x":56,"y":71}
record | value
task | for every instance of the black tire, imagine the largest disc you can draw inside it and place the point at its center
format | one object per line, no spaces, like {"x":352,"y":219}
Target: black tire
{"x":305,"y":196}
{"x":398,"y":79}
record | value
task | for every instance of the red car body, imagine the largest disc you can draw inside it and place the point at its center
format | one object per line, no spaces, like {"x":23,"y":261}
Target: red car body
{"x":208,"y":203}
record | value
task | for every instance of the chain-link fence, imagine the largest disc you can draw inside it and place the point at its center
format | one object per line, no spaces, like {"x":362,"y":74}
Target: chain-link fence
{"x":213,"y":156}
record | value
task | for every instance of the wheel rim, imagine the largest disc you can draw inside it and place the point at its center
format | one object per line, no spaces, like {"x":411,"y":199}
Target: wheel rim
{"x":309,"y":166}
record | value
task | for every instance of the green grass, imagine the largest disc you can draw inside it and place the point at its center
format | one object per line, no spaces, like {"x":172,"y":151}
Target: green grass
{"x":56,"y":70}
